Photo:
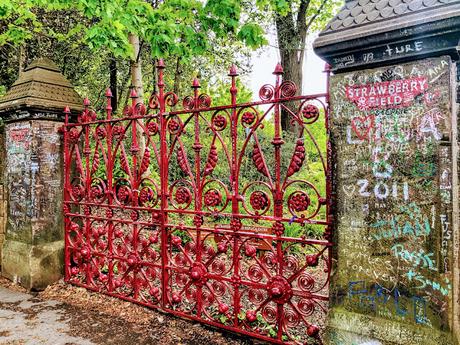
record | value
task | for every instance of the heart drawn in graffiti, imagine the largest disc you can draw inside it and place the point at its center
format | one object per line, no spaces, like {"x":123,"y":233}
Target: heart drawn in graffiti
{"x":362,"y":126}
{"x":349,"y":189}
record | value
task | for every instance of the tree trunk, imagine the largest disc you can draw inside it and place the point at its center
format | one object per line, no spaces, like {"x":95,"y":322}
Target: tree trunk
{"x":124,"y":91}
{"x":22,"y":58}
{"x":292,"y":52}
{"x":113,"y":82}
{"x":291,"y":32}
{"x":136,"y":83}
{"x":292,"y":67}
{"x":177,"y":77}
{"x":155,"y":75}
{"x":136,"y":69}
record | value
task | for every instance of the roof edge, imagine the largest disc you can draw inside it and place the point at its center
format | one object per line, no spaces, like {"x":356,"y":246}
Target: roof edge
{"x":410,"y":20}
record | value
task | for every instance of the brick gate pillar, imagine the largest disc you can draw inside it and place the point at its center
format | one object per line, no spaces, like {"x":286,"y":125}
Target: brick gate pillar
{"x":394,"y":138}
{"x":32,"y":253}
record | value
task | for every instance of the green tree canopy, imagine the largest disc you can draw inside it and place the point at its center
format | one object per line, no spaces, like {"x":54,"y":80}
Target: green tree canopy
{"x":171,"y":27}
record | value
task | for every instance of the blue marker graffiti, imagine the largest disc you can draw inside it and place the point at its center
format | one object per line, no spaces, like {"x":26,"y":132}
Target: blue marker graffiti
{"x":372,"y":298}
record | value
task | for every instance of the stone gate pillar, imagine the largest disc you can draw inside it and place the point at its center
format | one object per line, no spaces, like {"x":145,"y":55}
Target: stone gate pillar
{"x":394,"y":138}
{"x":32,"y":253}
{"x":2,"y":190}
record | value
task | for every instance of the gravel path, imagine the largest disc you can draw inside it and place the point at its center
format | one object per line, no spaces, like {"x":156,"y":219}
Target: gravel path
{"x":66,"y":315}
{"x":24,"y":319}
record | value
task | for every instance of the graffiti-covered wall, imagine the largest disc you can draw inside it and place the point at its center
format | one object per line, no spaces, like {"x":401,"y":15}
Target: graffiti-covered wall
{"x":18,"y":143}
{"x":33,"y":180}
{"x":2,"y":189}
{"x":32,"y":112}
{"x":33,"y":248}
{"x":391,"y":136}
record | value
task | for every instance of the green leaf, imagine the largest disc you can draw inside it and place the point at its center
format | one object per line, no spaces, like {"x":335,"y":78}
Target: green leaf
{"x":252,"y":35}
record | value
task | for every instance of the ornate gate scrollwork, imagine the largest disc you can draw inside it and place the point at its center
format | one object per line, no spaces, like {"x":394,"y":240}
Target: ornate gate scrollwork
{"x":208,"y":212}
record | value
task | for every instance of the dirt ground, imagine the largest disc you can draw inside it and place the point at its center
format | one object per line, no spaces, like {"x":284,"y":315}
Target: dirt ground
{"x":68,"y":315}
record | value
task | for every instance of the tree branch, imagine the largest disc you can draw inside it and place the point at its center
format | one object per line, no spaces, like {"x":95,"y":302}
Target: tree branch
{"x":312,"y":19}
{"x":285,"y":29}
{"x":302,"y":17}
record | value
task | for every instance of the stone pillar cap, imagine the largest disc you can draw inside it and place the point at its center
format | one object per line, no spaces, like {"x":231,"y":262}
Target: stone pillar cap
{"x":41,"y":86}
{"x":369,"y":33}
{"x":367,"y":17}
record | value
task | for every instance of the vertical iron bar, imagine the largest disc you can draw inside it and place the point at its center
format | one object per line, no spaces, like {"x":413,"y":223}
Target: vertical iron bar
{"x":328,"y":153}
{"x":66,"y":161}
{"x":235,"y":195}
{"x":87,"y":152}
{"x":109,"y":169}
{"x":164,"y":185}
{"x":197,"y":148}
{"x":278,"y":197}
{"x":134,"y":186}
{"x":87,"y":125}
{"x":329,"y":172}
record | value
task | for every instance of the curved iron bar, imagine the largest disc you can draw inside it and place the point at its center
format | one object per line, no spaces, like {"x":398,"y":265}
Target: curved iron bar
{"x":131,"y":236}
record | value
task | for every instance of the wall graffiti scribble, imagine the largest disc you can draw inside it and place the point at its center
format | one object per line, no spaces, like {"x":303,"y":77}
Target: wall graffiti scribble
{"x":391,"y":132}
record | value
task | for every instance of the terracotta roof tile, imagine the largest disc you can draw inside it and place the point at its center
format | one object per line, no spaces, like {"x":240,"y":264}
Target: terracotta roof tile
{"x":351,"y":4}
{"x":368,"y":8}
{"x":387,"y":12}
{"x":345,"y":13}
{"x":401,"y":9}
{"x":41,"y":85}
{"x":381,"y":4}
{"x":335,"y":24}
{"x":374,"y":14}
{"x":362,"y":12}
{"x":415,"y":5}
{"x":348,"y":22}
{"x":361,"y":18}
{"x":356,"y":11}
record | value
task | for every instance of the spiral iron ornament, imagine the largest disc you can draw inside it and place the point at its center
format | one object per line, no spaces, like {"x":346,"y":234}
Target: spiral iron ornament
{"x":202,"y":210}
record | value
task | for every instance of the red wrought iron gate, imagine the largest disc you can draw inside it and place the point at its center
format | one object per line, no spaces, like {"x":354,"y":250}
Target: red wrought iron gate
{"x":209,"y":213}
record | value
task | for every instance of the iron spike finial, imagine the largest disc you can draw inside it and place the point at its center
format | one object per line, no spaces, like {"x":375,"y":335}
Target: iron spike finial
{"x":133,"y":93}
{"x":327,"y":67}
{"x":67,"y":110}
{"x":233,"y":71}
{"x":108,"y":92}
{"x":86,"y":102}
{"x":161,"y":63}
{"x":196,"y":83}
{"x":278,"y":69}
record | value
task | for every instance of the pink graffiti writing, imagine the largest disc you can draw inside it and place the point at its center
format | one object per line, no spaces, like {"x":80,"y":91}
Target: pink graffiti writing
{"x":362,"y":126}
{"x":19,"y":134}
{"x":389,"y":94}
{"x":20,"y":137}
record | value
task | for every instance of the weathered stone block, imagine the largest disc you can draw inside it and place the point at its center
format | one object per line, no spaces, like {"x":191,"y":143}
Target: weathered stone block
{"x":392,"y":135}
{"x":347,"y":328}
{"x":33,"y":266}
{"x":2,"y":190}
{"x":34,"y":180}
{"x":2,"y":239}
{"x":31,"y":171}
